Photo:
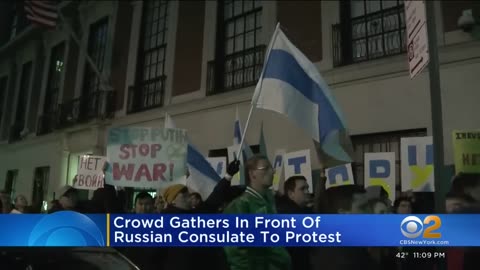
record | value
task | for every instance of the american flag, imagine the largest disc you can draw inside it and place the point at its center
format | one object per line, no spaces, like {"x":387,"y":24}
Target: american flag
{"x":42,"y":12}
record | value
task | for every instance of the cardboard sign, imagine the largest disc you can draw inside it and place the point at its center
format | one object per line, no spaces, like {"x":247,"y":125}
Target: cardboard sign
{"x":417,"y":164}
{"x":380,"y":171}
{"x":466,"y":151}
{"x":90,"y":172}
{"x":298,"y":163}
{"x":278,"y":166}
{"x":145,"y":157}
{"x":219,"y":164}
{"x":339,"y":176}
{"x":239,"y":178}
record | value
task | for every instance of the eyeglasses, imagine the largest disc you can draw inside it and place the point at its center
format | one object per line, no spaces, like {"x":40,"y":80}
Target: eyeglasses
{"x":265,"y":168}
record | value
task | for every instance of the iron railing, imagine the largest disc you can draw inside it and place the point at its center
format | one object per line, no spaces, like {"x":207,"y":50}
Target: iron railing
{"x":95,"y":105}
{"x":15,"y":132}
{"x":148,"y":95}
{"x":375,"y":35}
{"x":238,"y":70}
{"x":47,"y":123}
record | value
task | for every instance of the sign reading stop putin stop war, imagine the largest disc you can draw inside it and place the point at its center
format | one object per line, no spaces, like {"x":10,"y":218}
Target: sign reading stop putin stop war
{"x":145,"y":157}
{"x":90,"y":172}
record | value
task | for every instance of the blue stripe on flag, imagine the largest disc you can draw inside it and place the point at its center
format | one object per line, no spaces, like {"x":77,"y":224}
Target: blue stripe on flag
{"x":295,"y":75}
{"x":236,"y":132}
{"x":197,"y":161}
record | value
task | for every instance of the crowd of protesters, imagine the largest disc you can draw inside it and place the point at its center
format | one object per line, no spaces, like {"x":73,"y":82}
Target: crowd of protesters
{"x":257,"y":197}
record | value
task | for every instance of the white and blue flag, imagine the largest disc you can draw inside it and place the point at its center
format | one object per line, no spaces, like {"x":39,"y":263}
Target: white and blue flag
{"x":203,"y":177}
{"x":290,"y":84}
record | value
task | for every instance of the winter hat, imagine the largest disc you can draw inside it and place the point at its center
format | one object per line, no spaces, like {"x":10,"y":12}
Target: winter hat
{"x":171,"y":192}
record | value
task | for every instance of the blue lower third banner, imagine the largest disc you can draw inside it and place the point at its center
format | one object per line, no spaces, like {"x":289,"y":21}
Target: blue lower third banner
{"x":74,"y":229}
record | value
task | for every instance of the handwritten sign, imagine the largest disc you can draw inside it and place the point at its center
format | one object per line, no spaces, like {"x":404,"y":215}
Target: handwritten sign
{"x":417,"y":164}
{"x":90,"y":172}
{"x":298,"y":163}
{"x":380,"y":171}
{"x":466,"y":151}
{"x":145,"y":157}
{"x":339,"y":176}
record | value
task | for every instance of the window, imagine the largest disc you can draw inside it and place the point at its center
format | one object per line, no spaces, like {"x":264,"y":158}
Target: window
{"x":240,"y":53}
{"x":369,"y":29}
{"x":97,"y":41}
{"x":14,"y":24}
{"x":20,"y":114}
{"x":3,"y":95}
{"x":381,"y":142}
{"x":149,"y":90}
{"x":55,"y":70}
{"x":40,"y":187}
{"x":11,"y":182}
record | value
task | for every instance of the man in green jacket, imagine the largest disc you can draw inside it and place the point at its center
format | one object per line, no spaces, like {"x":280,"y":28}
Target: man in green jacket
{"x":257,"y":199}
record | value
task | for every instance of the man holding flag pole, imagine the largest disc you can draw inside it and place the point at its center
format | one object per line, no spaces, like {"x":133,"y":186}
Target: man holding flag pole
{"x":291,"y":85}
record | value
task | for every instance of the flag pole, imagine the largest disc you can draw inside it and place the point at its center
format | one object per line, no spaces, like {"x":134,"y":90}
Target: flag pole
{"x":275,"y":34}
{"x":90,"y":61}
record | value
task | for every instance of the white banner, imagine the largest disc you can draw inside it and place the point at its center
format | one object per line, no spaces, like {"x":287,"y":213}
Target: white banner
{"x":380,"y":171}
{"x":417,"y":164}
{"x":278,"y":166}
{"x":89,"y":172}
{"x":339,"y":176}
{"x":298,"y":163}
{"x":145,"y":157}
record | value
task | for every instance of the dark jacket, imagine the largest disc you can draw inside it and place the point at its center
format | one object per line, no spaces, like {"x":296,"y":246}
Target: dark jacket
{"x":188,"y":258}
{"x":300,"y":255}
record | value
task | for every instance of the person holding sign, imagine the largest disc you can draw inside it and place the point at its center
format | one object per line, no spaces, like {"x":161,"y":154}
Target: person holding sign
{"x":257,"y":199}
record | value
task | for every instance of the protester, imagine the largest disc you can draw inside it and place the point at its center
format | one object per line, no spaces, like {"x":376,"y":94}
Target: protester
{"x":107,"y":200}
{"x":257,"y":199}
{"x":378,"y":206}
{"x":6,"y":201}
{"x":177,"y":198}
{"x":455,"y":203}
{"x":402,"y":205}
{"x":466,"y":187}
{"x":195,"y":199}
{"x":295,"y":201}
{"x":143,"y":203}
{"x":159,"y":203}
{"x":68,"y":199}
{"x":21,"y":205}
{"x":468,"y":184}
{"x":348,"y":199}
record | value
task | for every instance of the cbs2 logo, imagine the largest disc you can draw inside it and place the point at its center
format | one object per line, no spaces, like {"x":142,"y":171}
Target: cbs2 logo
{"x":412,"y":227}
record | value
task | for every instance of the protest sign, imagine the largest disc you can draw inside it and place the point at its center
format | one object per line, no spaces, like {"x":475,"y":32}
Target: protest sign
{"x":417,"y":164}
{"x":466,"y":151}
{"x":89,"y":172}
{"x":145,"y":157}
{"x":219,"y":164}
{"x":278,"y":166}
{"x":298,"y":163}
{"x":380,"y":171}
{"x":339,"y":176}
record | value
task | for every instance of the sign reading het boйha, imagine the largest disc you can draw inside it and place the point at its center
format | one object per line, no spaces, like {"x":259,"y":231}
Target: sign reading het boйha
{"x":145,"y":157}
